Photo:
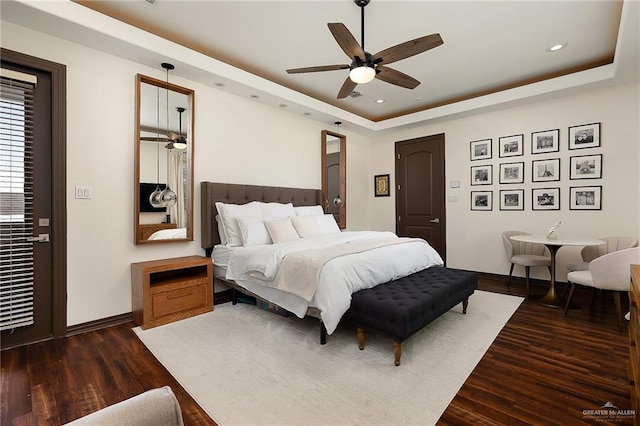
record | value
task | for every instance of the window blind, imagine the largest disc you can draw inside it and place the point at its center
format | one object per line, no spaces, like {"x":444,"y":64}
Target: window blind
{"x":16,"y":199}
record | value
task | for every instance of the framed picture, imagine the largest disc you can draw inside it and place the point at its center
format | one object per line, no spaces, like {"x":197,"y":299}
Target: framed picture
{"x":481,"y":150}
{"x":585,"y":167}
{"x":512,"y":173}
{"x":482,"y":175}
{"x":584,"y":136}
{"x":546,"y":170}
{"x":545,"y":199}
{"x":381,"y":185}
{"x":482,"y":200}
{"x":511,"y":146}
{"x":585,"y":198}
{"x":545,"y":141}
{"x":512,"y":199}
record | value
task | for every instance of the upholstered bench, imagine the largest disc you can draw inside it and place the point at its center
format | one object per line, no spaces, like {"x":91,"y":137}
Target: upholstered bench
{"x":400,"y":308}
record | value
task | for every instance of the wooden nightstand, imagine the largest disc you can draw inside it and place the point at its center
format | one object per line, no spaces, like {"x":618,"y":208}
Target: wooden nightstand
{"x":168,"y":290}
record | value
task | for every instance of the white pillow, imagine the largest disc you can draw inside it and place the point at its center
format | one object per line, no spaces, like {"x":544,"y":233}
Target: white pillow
{"x":253,"y":231}
{"x":306,"y":226}
{"x":229,"y":213}
{"x":221,"y":233}
{"x":309,"y":210}
{"x":277,"y":210}
{"x":327,"y":223}
{"x":281,"y":230}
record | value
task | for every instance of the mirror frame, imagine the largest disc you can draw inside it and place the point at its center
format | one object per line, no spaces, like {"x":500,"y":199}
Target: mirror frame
{"x":140,"y":79}
{"x":343,"y":175}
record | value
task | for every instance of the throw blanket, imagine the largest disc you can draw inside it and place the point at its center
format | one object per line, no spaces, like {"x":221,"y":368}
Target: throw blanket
{"x":300,"y":271}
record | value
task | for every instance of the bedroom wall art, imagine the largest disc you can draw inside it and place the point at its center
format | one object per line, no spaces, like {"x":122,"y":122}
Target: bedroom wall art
{"x":547,"y":168}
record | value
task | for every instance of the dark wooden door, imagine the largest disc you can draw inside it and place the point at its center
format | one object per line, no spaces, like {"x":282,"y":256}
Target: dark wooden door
{"x":29,"y":257}
{"x":420,"y":190}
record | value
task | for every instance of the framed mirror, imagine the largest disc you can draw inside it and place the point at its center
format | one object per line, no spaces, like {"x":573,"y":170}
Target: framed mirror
{"x":334,"y":176}
{"x":163,"y":177}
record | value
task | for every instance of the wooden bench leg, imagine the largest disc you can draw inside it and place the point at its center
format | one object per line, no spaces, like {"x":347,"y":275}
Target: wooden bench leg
{"x":361,"y":335}
{"x":397,"y":352}
{"x":465,"y":303}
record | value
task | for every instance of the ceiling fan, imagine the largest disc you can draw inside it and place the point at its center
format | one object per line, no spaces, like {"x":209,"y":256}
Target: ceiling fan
{"x":364,"y":66}
{"x":175,"y":140}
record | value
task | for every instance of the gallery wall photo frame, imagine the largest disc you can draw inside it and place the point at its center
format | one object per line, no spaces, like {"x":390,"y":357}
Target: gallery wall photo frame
{"x":512,"y":199}
{"x":584,"y":136}
{"x":482,"y":200}
{"x":482,"y":175}
{"x":585,"y":198}
{"x":381,"y":186}
{"x":512,"y":172}
{"x":545,"y":199}
{"x":481,"y":149}
{"x":545,"y":141}
{"x":585,"y":167}
{"x":511,"y":146}
{"x":545,"y":170}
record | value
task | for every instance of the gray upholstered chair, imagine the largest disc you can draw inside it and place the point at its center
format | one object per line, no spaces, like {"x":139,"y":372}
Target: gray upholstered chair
{"x":611,"y":271}
{"x":524,"y":254}
{"x":151,"y":408}
{"x":610,"y":245}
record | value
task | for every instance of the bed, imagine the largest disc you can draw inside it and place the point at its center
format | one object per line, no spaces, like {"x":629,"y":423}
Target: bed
{"x":362,"y":259}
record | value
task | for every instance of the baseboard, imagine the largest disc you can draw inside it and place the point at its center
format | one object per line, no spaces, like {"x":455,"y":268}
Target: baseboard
{"x":98,"y":324}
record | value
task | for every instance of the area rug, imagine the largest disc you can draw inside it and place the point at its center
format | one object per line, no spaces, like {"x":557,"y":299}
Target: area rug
{"x":247,"y":366}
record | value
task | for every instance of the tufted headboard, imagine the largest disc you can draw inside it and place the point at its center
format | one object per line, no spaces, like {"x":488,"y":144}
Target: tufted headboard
{"x":212,"y":192}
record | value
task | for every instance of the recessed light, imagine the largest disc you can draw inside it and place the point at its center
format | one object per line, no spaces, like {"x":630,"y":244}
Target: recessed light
{"x":255,"y":97}
{"x":306,"y":113}
{"x":379,"y":101}
{"x":283,"y":105}
{"x":418,"y":100}
{"x":556,"y":47}
{"x":218,"y":84}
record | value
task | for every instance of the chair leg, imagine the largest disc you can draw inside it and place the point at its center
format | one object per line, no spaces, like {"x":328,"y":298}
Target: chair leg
{"x":510,"y":272}
{"x":566,"y":308}
{"x":616,"y":299}
{"x":526,"y":270}
{"x":593,"y":299}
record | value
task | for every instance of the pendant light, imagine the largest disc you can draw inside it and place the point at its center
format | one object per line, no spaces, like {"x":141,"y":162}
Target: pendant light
{"x":168,"y":197}
{"x":181,"y":141}
{"x":155,"y":197}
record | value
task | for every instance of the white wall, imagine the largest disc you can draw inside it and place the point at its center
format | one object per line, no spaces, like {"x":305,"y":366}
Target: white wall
{"x":473,"y":237}
{"x":236,"y":140}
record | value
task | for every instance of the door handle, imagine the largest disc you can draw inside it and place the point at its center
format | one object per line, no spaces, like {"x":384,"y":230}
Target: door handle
{"x":41,"y":238}
{"x":436,"y":220}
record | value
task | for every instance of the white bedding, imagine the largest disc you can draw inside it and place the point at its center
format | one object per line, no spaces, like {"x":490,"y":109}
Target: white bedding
{"x":257,"y":268}
{"x":169,"y":234}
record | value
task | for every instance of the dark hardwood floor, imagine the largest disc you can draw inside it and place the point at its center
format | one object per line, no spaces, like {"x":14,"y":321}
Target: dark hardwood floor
{"x":543,"y":369}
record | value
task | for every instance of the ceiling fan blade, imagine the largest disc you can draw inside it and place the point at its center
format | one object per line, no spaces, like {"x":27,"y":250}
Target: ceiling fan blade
{"x":155,"y":139}
{"x":317,"y":69}
{"x":407,"y":49}
{"x":347,"y":88}
{"x":398,"y":78}
{"x":346,"y":40}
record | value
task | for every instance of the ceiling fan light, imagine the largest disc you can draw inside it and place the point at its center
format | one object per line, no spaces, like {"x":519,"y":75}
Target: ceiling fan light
{"x":362,"y":74}
{"x":180,"y":144}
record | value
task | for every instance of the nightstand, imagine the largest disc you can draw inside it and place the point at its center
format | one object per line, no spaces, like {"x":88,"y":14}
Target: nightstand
{"x":168,"y":290}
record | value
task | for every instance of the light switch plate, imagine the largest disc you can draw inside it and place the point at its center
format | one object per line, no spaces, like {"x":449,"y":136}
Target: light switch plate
{"x":83,"y":192}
